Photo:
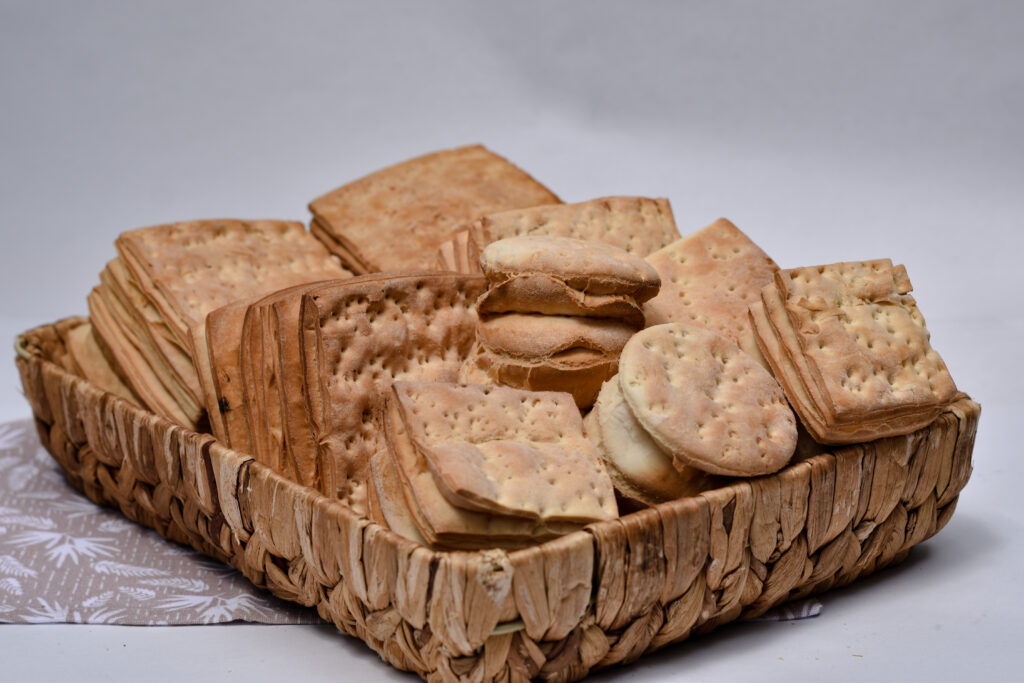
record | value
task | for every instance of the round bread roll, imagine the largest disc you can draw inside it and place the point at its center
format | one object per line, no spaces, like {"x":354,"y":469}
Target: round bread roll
{"x":587,"y":266}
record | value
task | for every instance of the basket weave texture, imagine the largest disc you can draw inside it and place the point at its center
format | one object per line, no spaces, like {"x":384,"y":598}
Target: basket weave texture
{"x":596,"y":597}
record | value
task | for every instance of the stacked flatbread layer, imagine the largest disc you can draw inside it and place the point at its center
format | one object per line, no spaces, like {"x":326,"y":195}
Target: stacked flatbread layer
{"x":149,"y":312}
{"x":476,"y":466}
{"x":688,"y":403}
{"x":638,"y":225}
{"x":851,"y":349}
{"x":395,"y":219}
{"x":557,"y":313}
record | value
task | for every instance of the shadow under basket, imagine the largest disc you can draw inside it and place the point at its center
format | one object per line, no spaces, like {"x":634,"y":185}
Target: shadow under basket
{"x":603,"y":595}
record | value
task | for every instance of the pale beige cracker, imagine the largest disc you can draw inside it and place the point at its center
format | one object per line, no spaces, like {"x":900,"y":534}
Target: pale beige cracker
{"x":89,"y":358}
{"x":579,"y":372}
{"x":440,"y":522}
{"x":865,"y":341}
{"x":535,"y":336}
{"x":709,"y":278}
{"x":548,"y":295}
{"x":395,"y":218}
{"x":138,"y":373}
{"x":387,"y":504}
{"x":118,"y":281}
{"x":589,"y":266}
{"x":191,"y":268}
{"x":170,"y":363}
{"x":705,"y":402}
{"x":359,"y":335}
{"x":507,"y":452}
{"x":639,"y":225}
{"x":640,"y":469}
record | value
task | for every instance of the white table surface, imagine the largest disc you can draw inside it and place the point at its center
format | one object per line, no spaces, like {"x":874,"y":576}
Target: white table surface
{"x":827,"y":132}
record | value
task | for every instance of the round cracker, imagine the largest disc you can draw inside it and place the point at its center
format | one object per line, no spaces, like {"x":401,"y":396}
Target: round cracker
{"x":706,"y":402}
{"x":637,"y":465}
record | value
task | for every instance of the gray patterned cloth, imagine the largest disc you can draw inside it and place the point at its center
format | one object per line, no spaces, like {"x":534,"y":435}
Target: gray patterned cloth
{"x":63,"y":559}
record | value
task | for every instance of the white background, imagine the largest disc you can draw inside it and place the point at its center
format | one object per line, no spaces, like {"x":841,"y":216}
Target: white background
{"x":826,"y":131}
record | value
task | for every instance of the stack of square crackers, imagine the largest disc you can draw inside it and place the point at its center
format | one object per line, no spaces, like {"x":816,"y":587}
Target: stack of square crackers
{"x":851,"y":350}
{"x":149,"y":311}
{"x":300,"y":348}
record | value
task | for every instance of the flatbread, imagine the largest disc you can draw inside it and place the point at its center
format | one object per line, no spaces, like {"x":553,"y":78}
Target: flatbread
{"x":395,"y":219}
{"x":507,"y":452}
{"x":709,"y":279}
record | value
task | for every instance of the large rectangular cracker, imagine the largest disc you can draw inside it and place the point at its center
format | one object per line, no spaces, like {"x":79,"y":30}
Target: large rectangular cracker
{"x":395,"y":218}
{"x":506,"y":451}
{"x":639,"y":225}
{"x":361,"y":334}
{"x":865,"y":341}
{"x":710,"y":278}
{"x":440,"y":522}
{"x":191,"y":268}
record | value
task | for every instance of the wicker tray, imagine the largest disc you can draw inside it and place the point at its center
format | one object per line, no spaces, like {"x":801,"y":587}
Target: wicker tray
{"x":600,"y":596}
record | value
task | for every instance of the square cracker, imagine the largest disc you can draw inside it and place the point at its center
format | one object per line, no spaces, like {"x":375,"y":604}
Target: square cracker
{"x":639,"y":225}
{"x":441,"y":523}
{"x":359,"y":335}
{"x":191,"y":268}
{"x":395,"y":218}
{"x":506,"y":451}
{"x":866,"y":344}
{"x":709,"y":278}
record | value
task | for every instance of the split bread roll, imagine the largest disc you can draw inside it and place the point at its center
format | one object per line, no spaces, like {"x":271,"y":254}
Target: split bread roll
{"x":851,"y":350}
{"x":706,"y":403}
{"x":587,"y":266}
{"x":557,"y":314}
{"x":488,"y":466}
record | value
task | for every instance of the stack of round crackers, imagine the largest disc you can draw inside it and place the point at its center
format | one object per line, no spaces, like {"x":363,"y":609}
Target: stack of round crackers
{"x":687,"y":404}
{"x":557,"y":314}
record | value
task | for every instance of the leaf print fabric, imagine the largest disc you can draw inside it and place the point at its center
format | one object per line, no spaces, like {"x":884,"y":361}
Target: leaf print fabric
{"x":64,"y":559}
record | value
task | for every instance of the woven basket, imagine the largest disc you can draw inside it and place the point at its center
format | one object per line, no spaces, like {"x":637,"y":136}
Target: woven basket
{"x":600,"y":596}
